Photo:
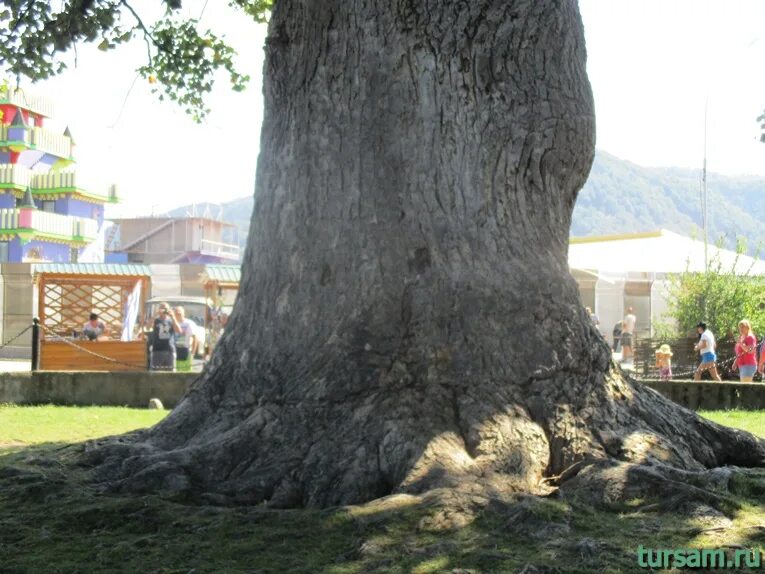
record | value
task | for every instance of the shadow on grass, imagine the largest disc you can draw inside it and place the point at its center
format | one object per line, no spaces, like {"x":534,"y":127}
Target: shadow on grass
{"x":53,"y":520}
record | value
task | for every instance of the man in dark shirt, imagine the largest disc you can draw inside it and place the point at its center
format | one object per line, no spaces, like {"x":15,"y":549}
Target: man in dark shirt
{"x":163,"y":340}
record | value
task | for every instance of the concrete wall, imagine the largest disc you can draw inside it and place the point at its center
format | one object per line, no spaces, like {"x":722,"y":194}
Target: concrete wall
{"x":135,"y":390}
{"x":609,"y":304}
{"x":183,"y":235}
{"x":19,"y":305}
{"x":171,"y":280}
{"x":713,"y":396}
{"x":94,"y":388}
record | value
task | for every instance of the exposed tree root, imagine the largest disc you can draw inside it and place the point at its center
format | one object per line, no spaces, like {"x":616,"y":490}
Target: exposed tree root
{"x":611,"y":442}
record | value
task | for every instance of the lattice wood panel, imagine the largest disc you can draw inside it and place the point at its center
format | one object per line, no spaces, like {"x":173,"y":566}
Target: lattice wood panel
{"x":67,"y":303}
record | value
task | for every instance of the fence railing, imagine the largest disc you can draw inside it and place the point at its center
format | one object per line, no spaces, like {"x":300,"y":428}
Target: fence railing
{"x":18,"y":97}
{"x":684,"y":358}
{"x":219,"y":249}
{"x":57,"y":180}
{"x":9,"y":218}
{"x":15,"y":175}
{"x":56,"y":144}
{"x":66,"y":226}
{"x":20,"y":177}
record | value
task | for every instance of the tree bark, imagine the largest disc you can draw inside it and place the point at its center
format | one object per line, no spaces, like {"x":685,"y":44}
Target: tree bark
{"x":406,"y":319}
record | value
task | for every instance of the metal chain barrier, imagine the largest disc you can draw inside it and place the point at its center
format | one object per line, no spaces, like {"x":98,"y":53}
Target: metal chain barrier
{"x":722,"y":365}
{"x":14,"y":338}
{"x":57,"y":337}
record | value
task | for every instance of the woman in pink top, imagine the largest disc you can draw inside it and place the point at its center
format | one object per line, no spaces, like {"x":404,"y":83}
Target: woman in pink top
{"x":746,"y":352}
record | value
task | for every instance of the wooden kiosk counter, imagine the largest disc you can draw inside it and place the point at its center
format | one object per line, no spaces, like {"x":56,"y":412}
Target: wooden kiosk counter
{"x":68,"y":293}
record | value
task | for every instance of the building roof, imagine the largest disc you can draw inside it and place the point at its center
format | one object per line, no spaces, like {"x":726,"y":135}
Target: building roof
{"x":125,"y":269}
{"x":222,"y":274}
{"x":18,"y":120}
{"x":166,"y":218}
{"x":660,"y":251}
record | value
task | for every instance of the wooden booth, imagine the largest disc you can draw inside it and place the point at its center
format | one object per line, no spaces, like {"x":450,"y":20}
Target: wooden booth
{"x":68,"y":293}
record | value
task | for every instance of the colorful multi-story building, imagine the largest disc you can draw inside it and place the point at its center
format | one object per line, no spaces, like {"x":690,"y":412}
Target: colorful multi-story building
{"x":45,"y":215}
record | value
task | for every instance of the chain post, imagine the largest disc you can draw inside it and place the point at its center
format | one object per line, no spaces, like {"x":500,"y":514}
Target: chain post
{"x":35,"y":344}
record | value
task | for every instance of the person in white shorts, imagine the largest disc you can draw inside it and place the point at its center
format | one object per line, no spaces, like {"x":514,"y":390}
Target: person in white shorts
{"x":706,"y":348}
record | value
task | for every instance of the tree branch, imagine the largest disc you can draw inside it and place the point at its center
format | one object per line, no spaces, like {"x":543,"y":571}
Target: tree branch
{"x":147,"y":35}
{"x":23,"y":15}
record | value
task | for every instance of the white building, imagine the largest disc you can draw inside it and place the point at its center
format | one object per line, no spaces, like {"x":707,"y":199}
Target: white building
{"x":619,"y":271}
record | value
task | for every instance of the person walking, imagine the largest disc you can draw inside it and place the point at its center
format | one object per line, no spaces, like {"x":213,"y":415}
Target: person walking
{"x":628,"y":330}
{"x":745,"y":352}
{"x":706,"y":348}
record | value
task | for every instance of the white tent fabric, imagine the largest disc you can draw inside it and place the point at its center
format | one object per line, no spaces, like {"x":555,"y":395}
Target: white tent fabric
{"x":132,"y":310}
{"x":655,"y":252}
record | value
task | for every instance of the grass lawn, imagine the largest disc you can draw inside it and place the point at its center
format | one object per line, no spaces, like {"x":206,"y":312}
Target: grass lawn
{"x":54,"y":520}
{"x":20,"y":426}
{"x":751,"y":421}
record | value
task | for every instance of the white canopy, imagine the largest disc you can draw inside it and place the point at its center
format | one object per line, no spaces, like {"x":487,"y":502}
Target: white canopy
{"x":659,"y":252}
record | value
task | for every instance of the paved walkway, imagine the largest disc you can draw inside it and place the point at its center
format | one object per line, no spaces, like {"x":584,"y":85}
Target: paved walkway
{"x":630,"y":366}
{"x":19,"y":366}
{"x":14,"y":365}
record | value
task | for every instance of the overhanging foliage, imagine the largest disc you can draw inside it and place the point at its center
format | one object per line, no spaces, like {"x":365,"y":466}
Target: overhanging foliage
{"x":181,"y":58}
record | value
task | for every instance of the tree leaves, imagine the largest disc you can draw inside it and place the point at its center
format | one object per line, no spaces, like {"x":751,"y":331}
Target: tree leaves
{"x":187,"y":61}
{"x":721,"y":297}
{"x":258,"y":9}
{"x":182,"y":62}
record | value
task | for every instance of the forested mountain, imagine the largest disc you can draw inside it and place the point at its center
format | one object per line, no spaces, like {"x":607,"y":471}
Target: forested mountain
{"x":621,"y":197}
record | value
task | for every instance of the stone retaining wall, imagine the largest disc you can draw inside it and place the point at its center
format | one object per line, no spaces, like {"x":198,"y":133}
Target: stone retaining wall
{"x":135,"y":390}
{"x":94,"y":388}
{"x":708,"y":395}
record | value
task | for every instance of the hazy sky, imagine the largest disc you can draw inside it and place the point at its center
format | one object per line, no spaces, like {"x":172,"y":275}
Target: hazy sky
{"x":653,"y":64}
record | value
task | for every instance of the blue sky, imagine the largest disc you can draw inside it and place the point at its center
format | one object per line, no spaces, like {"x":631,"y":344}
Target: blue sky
{"x":653,"y":64}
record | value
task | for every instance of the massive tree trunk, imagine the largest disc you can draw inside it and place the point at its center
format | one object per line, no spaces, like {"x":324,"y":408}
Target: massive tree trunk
{"x":406,"y":318}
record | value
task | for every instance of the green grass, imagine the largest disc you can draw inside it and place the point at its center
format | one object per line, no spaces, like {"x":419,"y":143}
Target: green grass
{"x":26,"y":425}
{"x":750,"y":421}
{"x":21,"y":426}
{"x":54,"y":520}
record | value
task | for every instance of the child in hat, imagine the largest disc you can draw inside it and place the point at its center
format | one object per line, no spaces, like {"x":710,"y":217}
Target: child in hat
{"x":664,"y":362}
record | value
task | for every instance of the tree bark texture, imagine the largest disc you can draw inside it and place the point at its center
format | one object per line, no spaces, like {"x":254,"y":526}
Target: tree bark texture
{"x":406,"y":319}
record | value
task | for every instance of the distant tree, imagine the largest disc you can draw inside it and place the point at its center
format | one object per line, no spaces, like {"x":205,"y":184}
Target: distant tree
{"x":721,"y":297}
{"x":406,"y":320}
